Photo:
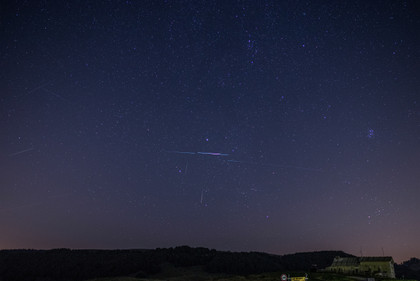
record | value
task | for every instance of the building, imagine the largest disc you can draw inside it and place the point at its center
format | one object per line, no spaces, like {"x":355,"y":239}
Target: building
{"x":379,"y":266}
{"x":367,"y":266}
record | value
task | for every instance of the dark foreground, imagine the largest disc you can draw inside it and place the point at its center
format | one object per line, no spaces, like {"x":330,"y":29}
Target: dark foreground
{"x":180,"y":263}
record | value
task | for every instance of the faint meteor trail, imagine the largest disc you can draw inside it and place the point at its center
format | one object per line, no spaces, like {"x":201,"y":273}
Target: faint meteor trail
{"x":185,"y":173}
{"x":35,"y":89}
{"x":199,"y":152}
{"x":20,"y":152}
{"x":274,"y":165}
{"x":55,"y":94}
{"x":38,"y":87}
{"x":202,"y":196}
{"x":212,"y":153}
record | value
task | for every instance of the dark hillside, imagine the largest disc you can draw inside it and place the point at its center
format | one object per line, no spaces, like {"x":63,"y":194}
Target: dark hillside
{"x":65,"y":264}
{"x":74,"y":265}
{"x":309,"y":260}
{"x":409,"y":269}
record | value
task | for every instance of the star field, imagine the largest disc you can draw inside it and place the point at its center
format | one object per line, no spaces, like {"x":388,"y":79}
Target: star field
{"x":275,"y":126}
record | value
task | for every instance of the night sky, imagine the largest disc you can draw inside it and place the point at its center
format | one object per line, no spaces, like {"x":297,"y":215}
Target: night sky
{"x":274,"y":126}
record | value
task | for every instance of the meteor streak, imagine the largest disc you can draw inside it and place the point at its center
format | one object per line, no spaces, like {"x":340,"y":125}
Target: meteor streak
{"x":274,"y":165}
{"x":200,"y":152}
{"x":20,"y":152}
{"x":213,"y":153}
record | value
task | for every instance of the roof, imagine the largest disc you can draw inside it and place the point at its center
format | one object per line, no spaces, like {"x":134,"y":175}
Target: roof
{"x":375,"y":259}
{"x":339,"y":261}
{"x":355,"y":261}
